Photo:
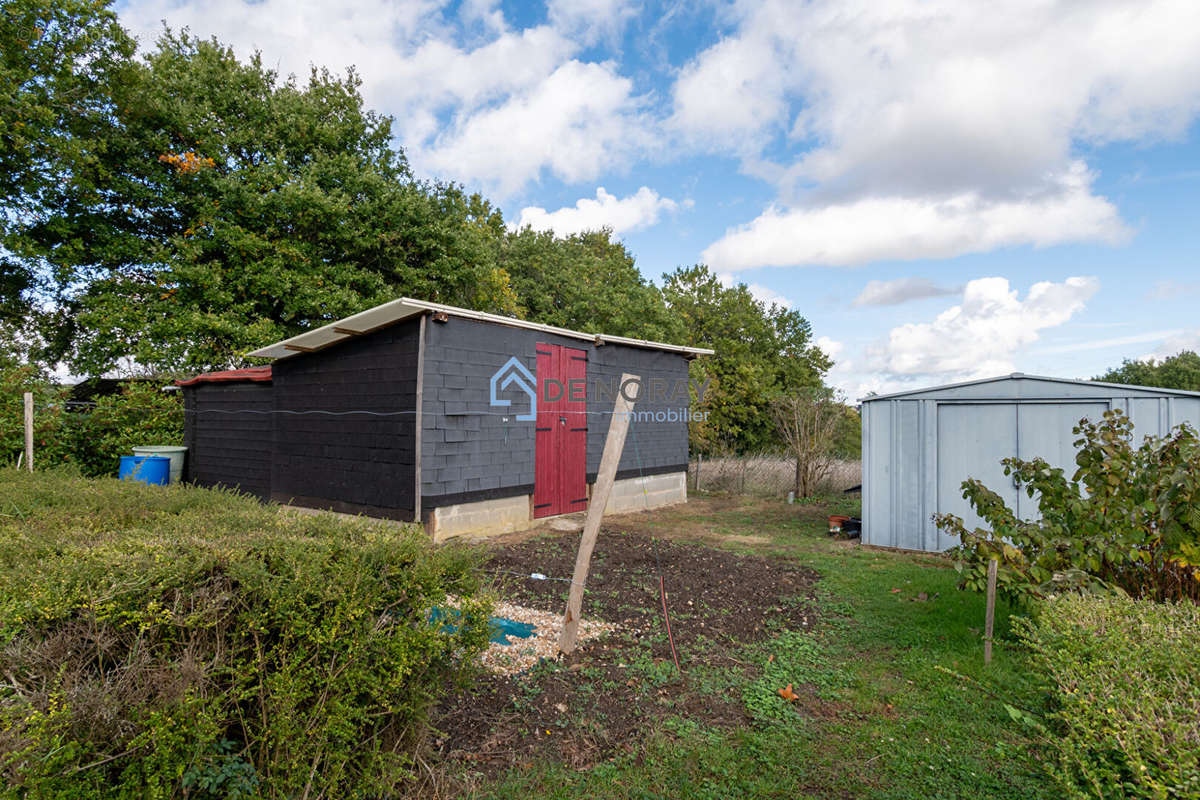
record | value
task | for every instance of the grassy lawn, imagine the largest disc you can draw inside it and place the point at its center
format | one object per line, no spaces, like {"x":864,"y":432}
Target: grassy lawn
{"x":885,"y":711}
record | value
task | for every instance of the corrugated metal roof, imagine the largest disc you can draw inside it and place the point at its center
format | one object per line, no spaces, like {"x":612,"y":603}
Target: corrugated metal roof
{"x":392,"y":312}
{"x":1022,"y":376}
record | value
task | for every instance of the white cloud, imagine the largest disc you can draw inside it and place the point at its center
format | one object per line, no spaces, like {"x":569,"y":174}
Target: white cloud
{"x":933,"y":128}
{"x":1173,"y":345}
{"x":767,"y":295}
{"x":576,"y":124}
{"x":762,"y":294}
{"x":591,"y":20}
{"x":906,"y":228}
{"x":901,"y":290}
{"x":946,"y":95}
{"x":1172,"y":290}
{"x":1116,"y":341}
{"x":831,"y":347}
{"x":496,"y":113}
{"x":981,"y":336}
{"x":633,"y":212}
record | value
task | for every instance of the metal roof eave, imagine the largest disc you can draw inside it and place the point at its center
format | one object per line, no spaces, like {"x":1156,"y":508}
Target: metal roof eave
{"x":396,"y":310}
{"x":1022,"y":375}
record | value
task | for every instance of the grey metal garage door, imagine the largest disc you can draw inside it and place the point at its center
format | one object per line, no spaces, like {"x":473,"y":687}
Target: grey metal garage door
{"x":974,"y":437}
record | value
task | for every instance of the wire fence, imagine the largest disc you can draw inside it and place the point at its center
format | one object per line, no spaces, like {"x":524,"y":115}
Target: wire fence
{"x":766,"y":475}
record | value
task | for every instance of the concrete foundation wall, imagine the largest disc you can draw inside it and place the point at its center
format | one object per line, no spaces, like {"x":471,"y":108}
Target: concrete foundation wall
{"x":653,"y":491}
{"x":510,"y":514}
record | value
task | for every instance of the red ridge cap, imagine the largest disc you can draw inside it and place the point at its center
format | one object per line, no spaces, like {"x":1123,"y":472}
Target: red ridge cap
{"x":257,"y":374}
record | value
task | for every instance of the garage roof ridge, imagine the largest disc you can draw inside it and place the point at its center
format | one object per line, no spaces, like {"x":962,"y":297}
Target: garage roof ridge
{"x":1024,"y":376}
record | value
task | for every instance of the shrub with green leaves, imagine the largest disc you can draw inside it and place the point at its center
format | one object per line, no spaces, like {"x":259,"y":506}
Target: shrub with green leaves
{"x":1124,"y":680}
{"x":52,"y":442}
{"x":140,"y":414}
{"x":1127,"y":521}
{"x":160,"y":642}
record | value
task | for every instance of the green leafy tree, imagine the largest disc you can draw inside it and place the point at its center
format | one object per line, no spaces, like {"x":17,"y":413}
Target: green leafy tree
{"x":1180,"y":371}
{"x":762,"y":352}
{"x":61,"y":62}
{"x":848,"y":437}
{"x":585,"y":282}
{"x":237,"y":208}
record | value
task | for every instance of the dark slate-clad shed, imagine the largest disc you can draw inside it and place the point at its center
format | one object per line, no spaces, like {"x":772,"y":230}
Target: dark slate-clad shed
{"x":469,"y":422}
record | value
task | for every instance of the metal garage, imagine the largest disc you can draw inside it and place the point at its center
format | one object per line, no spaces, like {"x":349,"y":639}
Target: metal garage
{"x":920,"y":445}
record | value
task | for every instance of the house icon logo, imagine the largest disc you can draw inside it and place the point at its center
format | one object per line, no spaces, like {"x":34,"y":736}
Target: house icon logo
{"x":512,"y":372}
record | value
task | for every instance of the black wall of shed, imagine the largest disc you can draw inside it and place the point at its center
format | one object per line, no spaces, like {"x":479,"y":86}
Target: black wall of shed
{"x":358,"y":462}
{"x":469,"y":451}
{"x":229,"y":444}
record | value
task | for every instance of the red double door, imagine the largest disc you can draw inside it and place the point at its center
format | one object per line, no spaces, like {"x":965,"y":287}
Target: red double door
{"x":560,"y":468}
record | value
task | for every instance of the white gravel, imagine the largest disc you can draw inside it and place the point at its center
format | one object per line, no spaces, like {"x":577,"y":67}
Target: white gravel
{"x":524,"y":653}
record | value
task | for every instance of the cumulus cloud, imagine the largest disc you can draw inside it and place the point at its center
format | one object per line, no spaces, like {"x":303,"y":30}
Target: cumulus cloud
{"x":901,"y":290}
{"x":474,"y":100}
{"x":906,"y":228}
{"x":932,"y":129}
{"x":576,"y":124}
{"x":981,"y":336}
{"x":633,"y":212}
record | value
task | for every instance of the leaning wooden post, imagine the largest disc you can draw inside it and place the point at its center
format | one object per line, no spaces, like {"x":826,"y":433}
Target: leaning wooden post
{"x":613,"y":445}
{"x":989,"y":614}
{"x":29,"y":431}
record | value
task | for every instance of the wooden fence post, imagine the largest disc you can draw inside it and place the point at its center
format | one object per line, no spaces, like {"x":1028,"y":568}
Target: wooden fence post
{"x":605,"y":477}
{"x":29,"y":431}
{"x":989,"y":614}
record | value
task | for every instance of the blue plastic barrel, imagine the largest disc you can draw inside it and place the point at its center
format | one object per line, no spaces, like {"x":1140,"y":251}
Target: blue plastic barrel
{"x":154,"y":470}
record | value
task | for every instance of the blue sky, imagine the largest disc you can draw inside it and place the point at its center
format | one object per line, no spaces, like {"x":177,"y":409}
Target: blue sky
{"x":946,"y":190}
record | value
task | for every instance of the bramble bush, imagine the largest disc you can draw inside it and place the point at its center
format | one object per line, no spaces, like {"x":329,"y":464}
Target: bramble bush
{"x":1123,"y":677}
{"x":160,"y":642}
{"x":1126,"y":522}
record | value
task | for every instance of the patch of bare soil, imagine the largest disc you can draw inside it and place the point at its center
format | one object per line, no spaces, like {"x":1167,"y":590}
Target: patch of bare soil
{"x":604,"y":698}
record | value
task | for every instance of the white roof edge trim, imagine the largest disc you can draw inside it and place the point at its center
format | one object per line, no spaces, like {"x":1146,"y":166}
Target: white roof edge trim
{"x":326,"y":335}
{"x":1022,"y":375}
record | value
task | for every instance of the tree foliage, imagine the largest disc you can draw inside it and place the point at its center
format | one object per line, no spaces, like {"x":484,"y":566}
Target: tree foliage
{"x":585,"y":282}
{"x":762,"y":352}
{"x":1180,"y":371}
{"x":60,"y":62}
{"x":239,"y":208}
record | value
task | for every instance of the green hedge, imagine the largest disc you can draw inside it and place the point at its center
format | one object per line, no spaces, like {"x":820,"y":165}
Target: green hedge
{"x":164,"y":642}
{"x":1124,"y":678}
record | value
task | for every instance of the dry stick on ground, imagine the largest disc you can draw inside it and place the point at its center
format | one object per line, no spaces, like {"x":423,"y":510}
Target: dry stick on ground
{"x":613,"y":445}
